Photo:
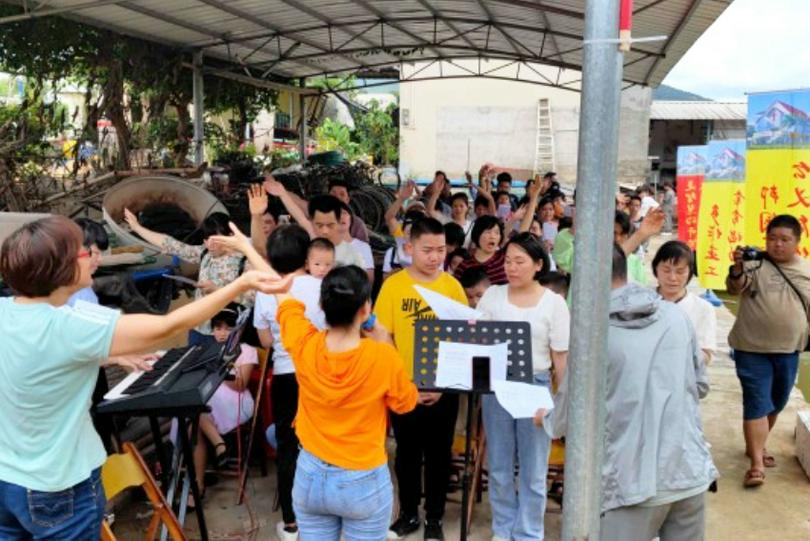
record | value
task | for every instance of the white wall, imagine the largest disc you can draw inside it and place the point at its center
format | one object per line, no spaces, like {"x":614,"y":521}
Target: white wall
{"x":499,"y":119}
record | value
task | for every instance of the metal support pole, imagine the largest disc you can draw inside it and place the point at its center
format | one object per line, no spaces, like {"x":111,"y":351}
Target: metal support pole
{"x":593,"y":242}
{"x":302,"y":129}
{"x":199,"y":107}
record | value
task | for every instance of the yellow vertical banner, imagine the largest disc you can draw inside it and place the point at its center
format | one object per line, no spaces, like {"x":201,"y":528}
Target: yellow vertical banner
{"x":721,"y":223}
{"x":778,"y":162}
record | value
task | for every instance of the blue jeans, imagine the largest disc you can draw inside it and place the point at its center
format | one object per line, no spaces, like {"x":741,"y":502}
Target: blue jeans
{"x":766,"y":380}
{"x":328,"y":499}
{"x":516,"y":514}
{"x":74,"y":514}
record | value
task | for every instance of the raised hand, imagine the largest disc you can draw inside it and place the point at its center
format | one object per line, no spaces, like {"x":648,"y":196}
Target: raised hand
{"x":653,"y":222}
{"x":131,"y":219}
{"x":257,"y":200}
{"x":520,"y":212}
{"x":273,"y":187}
{"x":266,"y":282}
{"x":407,"y":190}
{"x":237,"y":242}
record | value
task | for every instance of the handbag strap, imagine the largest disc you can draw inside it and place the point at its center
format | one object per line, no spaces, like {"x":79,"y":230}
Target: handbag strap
{"x":792,"y":286}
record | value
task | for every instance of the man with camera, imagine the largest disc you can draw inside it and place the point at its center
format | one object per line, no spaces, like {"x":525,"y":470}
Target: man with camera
{"x":770,"y":331}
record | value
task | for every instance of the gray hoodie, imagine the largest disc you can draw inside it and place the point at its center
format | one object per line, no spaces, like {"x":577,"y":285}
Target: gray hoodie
{"x":654,"y":440}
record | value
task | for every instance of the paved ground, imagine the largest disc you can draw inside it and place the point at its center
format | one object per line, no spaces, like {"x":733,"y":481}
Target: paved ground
{"x":778,"y":510}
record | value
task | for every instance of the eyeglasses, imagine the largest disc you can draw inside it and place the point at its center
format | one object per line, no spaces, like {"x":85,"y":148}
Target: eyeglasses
{"x":88,"y":253}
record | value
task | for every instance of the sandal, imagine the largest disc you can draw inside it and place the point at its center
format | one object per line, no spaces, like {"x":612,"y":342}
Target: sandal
{"x":768,"y":459}
{"x":221,"y":460}
{"x":190,"y":505}
{"x":753,"y":478}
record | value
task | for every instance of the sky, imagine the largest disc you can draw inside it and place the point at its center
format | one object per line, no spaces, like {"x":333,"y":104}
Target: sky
{"x":755,"y":45}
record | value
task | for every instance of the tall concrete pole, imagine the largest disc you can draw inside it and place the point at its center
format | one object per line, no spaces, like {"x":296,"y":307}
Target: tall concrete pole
{"x":593,"y":242}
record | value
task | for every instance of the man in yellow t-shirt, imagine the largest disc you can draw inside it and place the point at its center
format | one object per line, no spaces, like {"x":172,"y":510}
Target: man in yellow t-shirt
{"x":426,"y":432}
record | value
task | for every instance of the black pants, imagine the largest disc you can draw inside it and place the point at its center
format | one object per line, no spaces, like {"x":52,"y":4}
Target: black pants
{"x":425,"y":433}
{"x":102,"y":423}
{"x":284,"y":400}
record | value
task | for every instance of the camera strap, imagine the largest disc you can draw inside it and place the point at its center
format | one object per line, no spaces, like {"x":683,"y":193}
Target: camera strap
{"x":792,"y":286}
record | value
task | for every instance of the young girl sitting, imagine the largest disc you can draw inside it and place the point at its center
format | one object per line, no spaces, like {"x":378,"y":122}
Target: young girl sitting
{"x":231,"y":404}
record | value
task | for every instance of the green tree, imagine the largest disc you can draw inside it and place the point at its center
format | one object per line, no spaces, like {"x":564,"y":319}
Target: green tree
{"x":377,"y":134}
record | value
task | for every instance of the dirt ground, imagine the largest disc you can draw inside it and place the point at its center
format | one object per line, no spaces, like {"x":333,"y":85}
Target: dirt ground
{"x":779,"y":510}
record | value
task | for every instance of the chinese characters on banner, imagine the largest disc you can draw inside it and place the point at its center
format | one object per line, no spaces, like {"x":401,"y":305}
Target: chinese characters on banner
{"x":778,"y":162}
{"x":691,"y":167}
{"x":721,"y":226}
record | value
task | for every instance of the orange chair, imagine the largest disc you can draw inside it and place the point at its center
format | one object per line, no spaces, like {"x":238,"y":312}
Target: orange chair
{"x":126,"y":470}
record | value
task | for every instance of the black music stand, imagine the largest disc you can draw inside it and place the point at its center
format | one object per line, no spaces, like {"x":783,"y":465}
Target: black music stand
{"x":429,"y":333}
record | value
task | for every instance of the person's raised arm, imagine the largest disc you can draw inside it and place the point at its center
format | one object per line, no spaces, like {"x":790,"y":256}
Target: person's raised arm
{"x":436,"y":188}
{"x":391,"y":214}
{"x":136,"y":333}
{"x":152,"y":237}
{"x":257,"y":202}
{"x":534,"y":197}
{"x":276,"y":188}
{"x":238,"y":242}
{"x":485,"y":182}
{"x":651,"y":225}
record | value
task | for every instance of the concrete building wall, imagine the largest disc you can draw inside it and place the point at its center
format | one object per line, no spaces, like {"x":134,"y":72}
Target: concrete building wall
{"x":497,"y":121}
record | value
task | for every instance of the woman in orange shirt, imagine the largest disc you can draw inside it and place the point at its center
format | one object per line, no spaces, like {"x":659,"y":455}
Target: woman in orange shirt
{"x":347,"y":383}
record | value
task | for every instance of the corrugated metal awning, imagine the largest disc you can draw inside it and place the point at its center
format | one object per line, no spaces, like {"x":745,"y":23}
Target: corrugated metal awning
{"x":289,"y":39}
{"x":698,"y":110}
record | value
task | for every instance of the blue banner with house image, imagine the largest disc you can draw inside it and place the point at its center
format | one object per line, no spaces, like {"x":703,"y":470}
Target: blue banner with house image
{"x":725,"y":160}
{"x":778,"y":120}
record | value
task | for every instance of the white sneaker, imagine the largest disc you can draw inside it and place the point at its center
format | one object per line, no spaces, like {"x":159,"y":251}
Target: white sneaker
{"x":496,"y":538}
{"x":284,"y":535}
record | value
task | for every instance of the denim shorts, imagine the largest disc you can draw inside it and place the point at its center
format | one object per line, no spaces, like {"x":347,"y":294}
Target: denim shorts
{"x":766,"y":379}
{"x":73,"y":514}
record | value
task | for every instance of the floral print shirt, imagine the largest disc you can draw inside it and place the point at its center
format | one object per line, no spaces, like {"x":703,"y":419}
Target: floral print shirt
{"x":220,"y":270}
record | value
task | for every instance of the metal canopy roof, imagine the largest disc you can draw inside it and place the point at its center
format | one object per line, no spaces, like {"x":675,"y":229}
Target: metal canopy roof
{"x":290,"y":39}
{"x":698,"y":110}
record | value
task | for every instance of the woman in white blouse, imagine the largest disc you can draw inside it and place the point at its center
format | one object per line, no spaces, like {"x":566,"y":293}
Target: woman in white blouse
{"x":518,"y":514}
{"x":672,"y":267}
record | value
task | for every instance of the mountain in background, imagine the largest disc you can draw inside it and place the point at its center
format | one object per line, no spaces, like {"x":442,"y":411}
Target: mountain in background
{"x":670,"y":93}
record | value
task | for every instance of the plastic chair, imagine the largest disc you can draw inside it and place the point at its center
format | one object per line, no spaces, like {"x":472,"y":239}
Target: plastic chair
{"x":126,"y":470}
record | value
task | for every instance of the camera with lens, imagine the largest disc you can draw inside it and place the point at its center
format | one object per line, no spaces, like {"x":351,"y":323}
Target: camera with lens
{"x":749,"y":253}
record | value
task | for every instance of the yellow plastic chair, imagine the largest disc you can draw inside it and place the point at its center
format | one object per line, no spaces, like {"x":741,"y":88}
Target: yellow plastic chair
{"x":127,"y":470}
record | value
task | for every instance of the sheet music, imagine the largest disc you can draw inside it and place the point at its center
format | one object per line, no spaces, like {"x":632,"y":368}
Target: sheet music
{"x":522,"y":400}
{"x":447,"y":308}
{"x":454,"y":369}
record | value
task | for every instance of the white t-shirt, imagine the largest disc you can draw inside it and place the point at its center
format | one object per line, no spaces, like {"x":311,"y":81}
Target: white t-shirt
{"x":395,"y":257}
{"x":306,"y":289}
{"x":346,"y":254}
{"x":364,"y":249}
{"x":704,"y":320}
{"x":549,"y":319}
{"x":647,"y":204}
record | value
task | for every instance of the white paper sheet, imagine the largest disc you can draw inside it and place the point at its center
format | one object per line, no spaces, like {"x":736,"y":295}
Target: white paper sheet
{"x":522,"y":400}
{"x":447,"y":308}
{"x":454,"y":369}
{"x":181,"y":279}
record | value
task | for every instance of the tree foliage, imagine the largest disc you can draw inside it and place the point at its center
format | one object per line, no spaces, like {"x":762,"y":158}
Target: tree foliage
{"x":134,"y":83}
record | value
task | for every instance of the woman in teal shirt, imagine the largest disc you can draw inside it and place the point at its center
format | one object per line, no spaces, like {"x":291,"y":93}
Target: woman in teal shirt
{"x":50,"y":455}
